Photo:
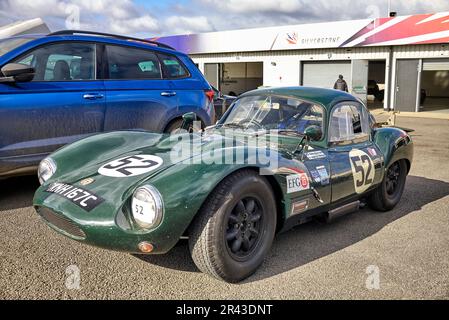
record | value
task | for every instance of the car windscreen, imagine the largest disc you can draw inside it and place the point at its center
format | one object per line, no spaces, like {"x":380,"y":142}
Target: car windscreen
{"x":6,"y":45}
{"x":273,"y":113}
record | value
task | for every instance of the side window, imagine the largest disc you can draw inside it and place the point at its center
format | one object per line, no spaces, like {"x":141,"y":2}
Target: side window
{"x":62,"y":62}
{"x":348,"y":123}
{"x":173,"y":68}
{"x":132,"y":64}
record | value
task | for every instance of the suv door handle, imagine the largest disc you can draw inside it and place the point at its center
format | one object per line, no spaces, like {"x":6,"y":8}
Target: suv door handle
{"x":93,"y":96}
{"x":168,"y":94}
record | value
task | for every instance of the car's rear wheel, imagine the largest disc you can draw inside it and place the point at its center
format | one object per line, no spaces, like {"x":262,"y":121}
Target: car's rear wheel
{"x":389,"y":192}
{"x":234,"y":230}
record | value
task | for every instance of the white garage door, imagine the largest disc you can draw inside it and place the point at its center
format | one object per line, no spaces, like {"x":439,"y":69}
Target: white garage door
{"x":324,"y":74}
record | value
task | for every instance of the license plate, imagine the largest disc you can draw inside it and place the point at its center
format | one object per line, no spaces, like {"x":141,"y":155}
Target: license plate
{"x":82,"y":198}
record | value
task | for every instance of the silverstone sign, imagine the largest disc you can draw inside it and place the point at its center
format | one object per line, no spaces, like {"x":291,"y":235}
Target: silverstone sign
{"x":404,"y":30}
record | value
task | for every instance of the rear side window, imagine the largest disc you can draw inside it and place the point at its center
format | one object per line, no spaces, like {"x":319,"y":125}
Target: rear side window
{"x":349,"y":123}
{"x":125,"y":63}
{"x":173,"y":68}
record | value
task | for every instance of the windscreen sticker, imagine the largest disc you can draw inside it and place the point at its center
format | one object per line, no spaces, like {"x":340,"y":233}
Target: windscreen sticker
{"x":362,"y":170}
{"x":315,"y":155}
{"x":82,"y":198}
{"x":131,"y":166}
{"x":297,"y":183}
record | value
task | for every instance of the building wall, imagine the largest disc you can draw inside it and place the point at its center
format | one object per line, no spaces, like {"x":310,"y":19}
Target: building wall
{"x":283,"y":68}
{"x":415,"y":52}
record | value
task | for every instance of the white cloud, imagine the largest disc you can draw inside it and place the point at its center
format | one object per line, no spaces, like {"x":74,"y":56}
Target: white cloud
{"x":187,"y":25}
{"x":259,"y":5}
{"x":119,"y":16}
{"x":139,"y":24}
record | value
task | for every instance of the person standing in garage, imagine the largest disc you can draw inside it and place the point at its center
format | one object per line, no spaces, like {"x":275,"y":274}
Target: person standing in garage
{"x":341,"y":84}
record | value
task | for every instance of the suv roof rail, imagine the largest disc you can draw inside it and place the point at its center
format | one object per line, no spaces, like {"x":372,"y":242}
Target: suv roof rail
{"x":72,"y":32}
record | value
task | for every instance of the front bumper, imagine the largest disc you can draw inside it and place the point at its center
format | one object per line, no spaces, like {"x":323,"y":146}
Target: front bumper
{"x":105,"y":234}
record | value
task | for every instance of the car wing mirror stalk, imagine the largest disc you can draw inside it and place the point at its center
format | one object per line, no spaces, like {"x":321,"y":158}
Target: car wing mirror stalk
{"x":7,"y":80}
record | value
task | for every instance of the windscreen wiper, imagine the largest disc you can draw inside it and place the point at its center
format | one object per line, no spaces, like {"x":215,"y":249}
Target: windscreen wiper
{"x":290,"y":133}
{"x":233,"y":125}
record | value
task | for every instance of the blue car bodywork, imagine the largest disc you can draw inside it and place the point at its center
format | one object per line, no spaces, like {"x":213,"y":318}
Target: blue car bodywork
{"x":38,"y":117}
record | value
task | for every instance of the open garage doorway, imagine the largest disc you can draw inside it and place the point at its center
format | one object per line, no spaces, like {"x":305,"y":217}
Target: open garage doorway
{"x":435,"y":85}
{"x":234,"y":78}
{"x":376,"y":84}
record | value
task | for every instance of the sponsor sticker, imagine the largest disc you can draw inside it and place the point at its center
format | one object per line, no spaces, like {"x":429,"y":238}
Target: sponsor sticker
{"x":315,"y":155}
{"x":315,"y":176}
{"x":131,"y":166}
{"x":297,"y":183}
{"x":82,"y":198}
{"x":362,"y":170}
{"x":324,"y":175}
{"x":372,"y":152}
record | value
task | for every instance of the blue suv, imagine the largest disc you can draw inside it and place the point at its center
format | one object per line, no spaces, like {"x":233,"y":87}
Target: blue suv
{"x":61,"y":87}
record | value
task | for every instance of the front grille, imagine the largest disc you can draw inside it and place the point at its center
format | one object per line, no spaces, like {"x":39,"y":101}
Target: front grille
{"x":61,"y":223}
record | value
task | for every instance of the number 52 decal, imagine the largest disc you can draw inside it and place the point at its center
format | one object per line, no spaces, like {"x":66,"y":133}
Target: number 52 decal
{"x":362,"y":170}
{"x":131,"y":166}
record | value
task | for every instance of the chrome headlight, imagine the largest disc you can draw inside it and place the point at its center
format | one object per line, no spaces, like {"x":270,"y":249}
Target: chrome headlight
{"x":46,"y":170}
{"x":147,"y":207}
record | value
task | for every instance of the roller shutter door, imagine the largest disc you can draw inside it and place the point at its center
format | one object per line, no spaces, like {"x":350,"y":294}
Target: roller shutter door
{"x":324,"y":74}
{"x":436,"y":65}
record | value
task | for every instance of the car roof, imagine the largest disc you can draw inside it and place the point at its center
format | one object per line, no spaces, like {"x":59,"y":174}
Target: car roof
{"x":325,"y":97}
{"x":123,"y":40}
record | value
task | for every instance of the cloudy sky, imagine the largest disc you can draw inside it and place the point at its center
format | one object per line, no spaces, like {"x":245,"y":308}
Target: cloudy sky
{"x":166,"y":17}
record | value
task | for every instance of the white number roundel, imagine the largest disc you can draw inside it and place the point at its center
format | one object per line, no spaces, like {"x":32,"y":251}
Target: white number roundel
{"x":131,"y":166}
{"x":362,"y":170}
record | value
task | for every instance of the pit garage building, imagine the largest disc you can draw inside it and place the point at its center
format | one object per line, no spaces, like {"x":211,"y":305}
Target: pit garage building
{"x":399,"y":63}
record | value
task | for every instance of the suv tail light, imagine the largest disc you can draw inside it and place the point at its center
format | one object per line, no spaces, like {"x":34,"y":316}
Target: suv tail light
{"x":209,"y":94}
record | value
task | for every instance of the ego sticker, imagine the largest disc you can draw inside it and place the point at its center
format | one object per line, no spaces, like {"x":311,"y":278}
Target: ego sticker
{"x":362,"y":170}
{"x":131,"y":166}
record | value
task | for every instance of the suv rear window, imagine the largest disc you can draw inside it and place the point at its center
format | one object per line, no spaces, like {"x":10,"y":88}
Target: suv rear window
{"x":173,"y":68}
{"x":126,"y":63}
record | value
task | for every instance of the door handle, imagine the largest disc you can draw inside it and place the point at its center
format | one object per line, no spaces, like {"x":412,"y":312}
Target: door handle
{"x":93,"y":96}
{"x":168,"y":94}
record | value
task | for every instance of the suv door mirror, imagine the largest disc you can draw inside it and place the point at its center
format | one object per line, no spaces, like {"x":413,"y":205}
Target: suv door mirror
{"x":17,"y":72}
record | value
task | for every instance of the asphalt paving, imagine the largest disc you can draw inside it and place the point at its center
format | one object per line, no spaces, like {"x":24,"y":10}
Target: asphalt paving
{"x":399,"y":254}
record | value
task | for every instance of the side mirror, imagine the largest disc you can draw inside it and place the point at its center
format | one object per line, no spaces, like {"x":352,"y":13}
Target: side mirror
{"x":17,"y":72}
{"x":314,"y":133}
{"x":187,"y":121}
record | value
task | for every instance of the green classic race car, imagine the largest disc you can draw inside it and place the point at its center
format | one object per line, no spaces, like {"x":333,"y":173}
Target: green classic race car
{"x":279,"y":157}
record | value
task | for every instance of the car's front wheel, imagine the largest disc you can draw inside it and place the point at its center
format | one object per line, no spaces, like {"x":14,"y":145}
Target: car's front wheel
{"x":389,"y":192}
{"x":234,"y":230}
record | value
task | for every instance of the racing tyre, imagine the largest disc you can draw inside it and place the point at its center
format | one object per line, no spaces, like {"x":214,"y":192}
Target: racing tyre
{"x":235,"y":227}
{"x":389,"y":192}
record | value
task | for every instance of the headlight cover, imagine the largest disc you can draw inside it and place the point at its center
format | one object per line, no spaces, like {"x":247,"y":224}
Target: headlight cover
{"x":46,"y":170}
{"x":147,"y":207}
